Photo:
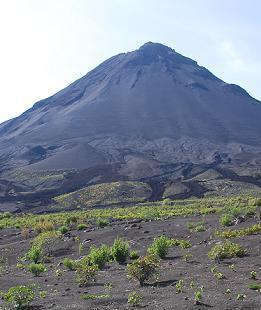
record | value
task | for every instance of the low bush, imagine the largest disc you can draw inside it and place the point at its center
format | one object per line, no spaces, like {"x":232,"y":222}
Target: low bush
{"x":99,"y":255}
{"x":102,"y":223}
{"x":179,"y":286}
{"x":43,"y":245}
{"x":184,"y":244}
{"x":44,"y":226}
{"x":196,"y":226}
{"x":134,"y":299}
{"x":34,"y":254}
{"x":160,"y":246}
{"x":253,"y":274}
{"x":226,"y":249}
{"x":36,"y":269}
{"x":82,"y":226}
{"x":120,"y":250}
{"x":86,"y":274}
{"x":143,"y":269}
{"x":134,"y":255}
{"x":19,"y":296}
{"x":25,"y":233}
{"x":70,"y":264}
{"x":198,"y":295}
{"x":226,"y":220}
{"x":255,"y":286}
{"x":64,"y":229}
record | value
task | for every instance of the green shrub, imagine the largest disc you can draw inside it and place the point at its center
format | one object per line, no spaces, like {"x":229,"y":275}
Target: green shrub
{"x":134,"y":255}
{"x":19,"y":296}
{"x":255,"y":286}
{"x":198,"y":296}
{"x":160,"y":246}
{"x":5,"y":215}
{"x":44,"y":227}
{"x":42,"y":294}
{"x":71,"y":220}
{"x":219,"y":275}
{"x":143,"y":269}
{"x":102,"y":223}
{"x":82,"y":226}
{"x":134,"y":299}
{"x":151,"y":214}
{"x":226,"y":249}
{"x":36,"y":269}
{"x":94,"y":296}
{"x":64,"y":229}
{"x":43,"y":245}
{"x":120,"y":250}
{"x":99,"y":256}
{"x":196,"y":226}
{"x":253,"y":274}
{"x":226,"y":220}
{"x":85,"y":274}
{"x":179,"y":286}
{"x":184,"y":244}
{"x":70,"y":263}
{"x":34,"y":254}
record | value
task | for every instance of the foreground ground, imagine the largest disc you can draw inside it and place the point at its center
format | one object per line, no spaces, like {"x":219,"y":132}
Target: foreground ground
{"x":62,"y":292}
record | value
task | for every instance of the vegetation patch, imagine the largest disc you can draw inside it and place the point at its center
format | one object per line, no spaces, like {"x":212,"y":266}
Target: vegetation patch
{"x":251,"y":230}
{"x":106,"y":194}
{"x":226,"y":249}
{"x":95,"y":296}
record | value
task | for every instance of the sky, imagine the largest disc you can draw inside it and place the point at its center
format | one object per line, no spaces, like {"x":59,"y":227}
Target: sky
{"x":47,"y":44}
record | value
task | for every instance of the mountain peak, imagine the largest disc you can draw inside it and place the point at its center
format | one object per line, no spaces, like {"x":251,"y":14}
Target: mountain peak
{"x":144,"y":102}
{"x":155,"y":48}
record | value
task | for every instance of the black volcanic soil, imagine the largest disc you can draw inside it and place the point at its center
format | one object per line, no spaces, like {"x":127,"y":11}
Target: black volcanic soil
{"x":64,"y":293}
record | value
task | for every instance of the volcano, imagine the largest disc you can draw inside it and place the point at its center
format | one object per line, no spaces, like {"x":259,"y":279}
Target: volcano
{"x":138,"y":115}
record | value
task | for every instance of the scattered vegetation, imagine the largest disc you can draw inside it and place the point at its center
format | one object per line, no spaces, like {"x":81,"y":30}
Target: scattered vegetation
{"x":46,"y":233}
{"x":251,"y":230}
{"x":95,"y":296}
{"x":106,"y":194}
{"x":188,"y":207}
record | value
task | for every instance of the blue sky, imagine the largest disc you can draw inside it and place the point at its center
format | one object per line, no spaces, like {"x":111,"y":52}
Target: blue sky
{"x":47,"y":44}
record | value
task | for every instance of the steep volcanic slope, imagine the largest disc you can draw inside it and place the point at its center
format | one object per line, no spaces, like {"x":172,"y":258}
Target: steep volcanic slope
{"x":143,"y":111}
